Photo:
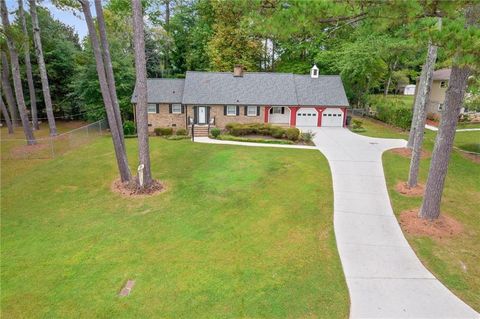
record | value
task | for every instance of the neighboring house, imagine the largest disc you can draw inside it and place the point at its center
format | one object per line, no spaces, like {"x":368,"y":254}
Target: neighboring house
{"x":437,"y":93}
{"x":218,"y":98}
{"x":409,"y":89}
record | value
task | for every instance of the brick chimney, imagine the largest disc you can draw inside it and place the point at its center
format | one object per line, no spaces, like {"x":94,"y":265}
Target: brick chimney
{"x":238,"y":70}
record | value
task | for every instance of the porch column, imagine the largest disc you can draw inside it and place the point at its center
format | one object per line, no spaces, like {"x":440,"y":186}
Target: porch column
{"x":266,"y":111}
{"x":320,"y":111}
{"x":344,"y":110}
{"x":293,"y":115}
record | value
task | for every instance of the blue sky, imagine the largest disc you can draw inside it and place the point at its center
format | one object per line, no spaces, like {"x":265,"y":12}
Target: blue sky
{"x":67,"y":17}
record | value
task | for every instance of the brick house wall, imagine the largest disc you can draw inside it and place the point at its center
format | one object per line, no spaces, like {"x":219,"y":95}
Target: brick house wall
{"x":165,"y":119}
{"x":221,"y":120}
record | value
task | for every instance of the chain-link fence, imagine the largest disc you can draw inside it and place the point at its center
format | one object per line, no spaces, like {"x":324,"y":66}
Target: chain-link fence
{"x":53,"y":146}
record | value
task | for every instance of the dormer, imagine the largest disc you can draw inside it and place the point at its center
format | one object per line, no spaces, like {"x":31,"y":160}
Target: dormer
{"x":314,"y":72}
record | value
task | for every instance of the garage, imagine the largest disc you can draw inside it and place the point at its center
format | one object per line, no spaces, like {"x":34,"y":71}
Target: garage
{"x":307,"y":117}
{"x":332,"y":117}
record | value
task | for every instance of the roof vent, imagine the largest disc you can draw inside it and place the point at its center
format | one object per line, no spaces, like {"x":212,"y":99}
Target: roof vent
{"x":238,"y":70}
{"x":314,"y":72}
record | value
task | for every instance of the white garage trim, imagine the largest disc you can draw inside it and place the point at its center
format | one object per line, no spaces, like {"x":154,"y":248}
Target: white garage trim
{"x":307,"y":116}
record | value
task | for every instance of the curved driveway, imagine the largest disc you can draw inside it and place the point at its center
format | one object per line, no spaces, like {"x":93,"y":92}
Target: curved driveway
{"x":384,"y":276}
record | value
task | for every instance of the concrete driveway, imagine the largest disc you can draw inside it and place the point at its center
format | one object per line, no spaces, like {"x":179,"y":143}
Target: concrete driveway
{"x":384,"y":276}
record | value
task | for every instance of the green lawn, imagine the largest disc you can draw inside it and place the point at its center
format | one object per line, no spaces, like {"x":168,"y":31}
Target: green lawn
{"x":454,"y":261}
{"x":240,"y":232}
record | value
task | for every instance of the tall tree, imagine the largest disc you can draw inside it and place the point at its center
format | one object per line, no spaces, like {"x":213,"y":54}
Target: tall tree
{"x":107,"y":60}
{"x":141,"y":91}
{"x":42,"y":68}
{"x":421,"y":101}
{"x":17,"y":82}
{"x":6,"y":116}
{"x":28,"y":66}
{"x":7,"y":90}
{"x":466,"y":57}
{"x":118,"y":144}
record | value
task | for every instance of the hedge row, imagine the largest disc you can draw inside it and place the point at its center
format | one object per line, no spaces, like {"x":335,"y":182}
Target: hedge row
{"x":392,"y":111}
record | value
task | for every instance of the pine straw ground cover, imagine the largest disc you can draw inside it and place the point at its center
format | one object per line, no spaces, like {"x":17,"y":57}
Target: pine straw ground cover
{"x":238,"y":232}
{"x":454,"y":260}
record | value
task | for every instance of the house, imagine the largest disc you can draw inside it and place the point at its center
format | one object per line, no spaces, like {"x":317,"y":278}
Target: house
{"x":409,"y":89}
{"x":438,"y":90}
{"x":218,"y":98}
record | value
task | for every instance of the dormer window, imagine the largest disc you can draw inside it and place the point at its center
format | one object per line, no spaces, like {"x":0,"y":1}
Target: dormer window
{"x":314,"y":72}
{"x":443,"y":84}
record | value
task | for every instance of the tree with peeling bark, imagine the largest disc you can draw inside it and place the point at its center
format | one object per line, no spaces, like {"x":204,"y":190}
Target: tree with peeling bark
{"x":464,"y":60}
{"x":28,"y":66}
{"x":418,"y":123}
{"x":108,"y":64}
{"x":117,"y":139}
{"x":17,"y":82}
{"x":6,"y":116}
{"x":7,"y":90}
{"x":141,"y":91}
{"x":42,"y":68}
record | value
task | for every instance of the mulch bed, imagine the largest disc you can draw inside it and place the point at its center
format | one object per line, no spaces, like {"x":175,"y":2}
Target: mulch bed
{"x":402,"y":188}
{"x":133,"y":189}
{"x":407,"y":152}
{"x":441,"y":228}
{"x":432,"y":123}
{"x":473,"y":157}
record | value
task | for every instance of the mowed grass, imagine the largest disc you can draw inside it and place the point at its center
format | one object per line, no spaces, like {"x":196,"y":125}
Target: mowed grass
{"x":239,"y":232}
{"x":454,"y":261}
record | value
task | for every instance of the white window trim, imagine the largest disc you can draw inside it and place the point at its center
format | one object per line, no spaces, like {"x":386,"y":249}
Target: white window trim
{"x":151,"y":105}
{"x":234,"y":110}
{"x":254,"y":112}
{"x":279,"y":108}
{"x":180,"y":109}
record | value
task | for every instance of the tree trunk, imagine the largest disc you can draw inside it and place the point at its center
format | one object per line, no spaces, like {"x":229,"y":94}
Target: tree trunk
{"x":6,"y":116}
{"x":42,"y":68}
{"x":444,"y":142}
{"x":17,"y":82}
{"x":118,"y":145}
{"x":419,"y":129}
{"x":108,"y":66}
{"x":28,"y":67}
{"x":141,"y":90}
{"x":7,"y":89}
{"x":389,"y":80}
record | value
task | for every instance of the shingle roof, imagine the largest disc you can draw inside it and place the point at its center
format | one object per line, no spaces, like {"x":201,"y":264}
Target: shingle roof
{"x":252,"y":88}
{"x":442,"y":74}
{"x":163,"y":91}
{"x":326,"y":90}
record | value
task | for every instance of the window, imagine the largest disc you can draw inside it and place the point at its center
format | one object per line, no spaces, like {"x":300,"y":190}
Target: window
{"x":152,"y":108}
{"x":443,"y":84}
{"x":231,"y":110}
{"x":251,"y":111}
{"x":277,"y":110}
{"x":440,"y":106}
{"x":176,"y":108}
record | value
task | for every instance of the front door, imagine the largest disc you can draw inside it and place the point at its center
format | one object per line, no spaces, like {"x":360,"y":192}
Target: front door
{"x":202,"y":115}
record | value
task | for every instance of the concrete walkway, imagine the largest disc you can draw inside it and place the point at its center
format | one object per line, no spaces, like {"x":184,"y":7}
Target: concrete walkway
{"x":434,"y":128}
{"x":213,"y":141}
{"x":384,"y":276}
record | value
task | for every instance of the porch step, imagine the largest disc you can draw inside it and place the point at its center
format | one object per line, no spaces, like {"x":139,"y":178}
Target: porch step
{"x":201,"y":131}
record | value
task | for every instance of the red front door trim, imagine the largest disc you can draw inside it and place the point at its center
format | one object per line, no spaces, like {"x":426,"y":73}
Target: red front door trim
{"x":293,"y":115}
{"x":265,"y":114}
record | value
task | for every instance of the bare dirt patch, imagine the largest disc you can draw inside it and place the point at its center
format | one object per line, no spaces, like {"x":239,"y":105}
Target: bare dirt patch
{"x":406,"y":152}
{"x":402,"y":188}
{"x":441,"y":228}
{"x":25,"y":151}
{"x":133,"y":189}
{"x":470,"y":156}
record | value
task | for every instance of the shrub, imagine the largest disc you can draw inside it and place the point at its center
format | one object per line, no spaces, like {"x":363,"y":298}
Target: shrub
{"x":307,"y":136}
{"x":393,"y":111}
{"x":292,"y":133}
{"x":163,"y":131}
{"x":254,"y":140}
{"x":357,"y":124}
{"x":215,"y":132}
{"x":277,"y":132}
{"x":128,"y":128}
{"x":181,"y":132}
